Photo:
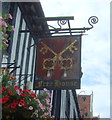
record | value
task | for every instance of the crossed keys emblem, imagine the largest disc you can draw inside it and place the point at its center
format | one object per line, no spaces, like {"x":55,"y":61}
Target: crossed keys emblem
{"x":65,"y":63}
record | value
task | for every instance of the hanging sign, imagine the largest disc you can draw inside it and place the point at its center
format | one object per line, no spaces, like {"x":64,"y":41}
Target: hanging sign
{"x":58,"y":64}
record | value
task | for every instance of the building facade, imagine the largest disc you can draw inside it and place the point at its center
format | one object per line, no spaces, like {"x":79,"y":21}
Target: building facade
{"x":22,"y":54}
{"x":86,"y":106}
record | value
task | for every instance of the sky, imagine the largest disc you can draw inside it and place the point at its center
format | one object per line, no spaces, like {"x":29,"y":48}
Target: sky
{"x":95,"y":53}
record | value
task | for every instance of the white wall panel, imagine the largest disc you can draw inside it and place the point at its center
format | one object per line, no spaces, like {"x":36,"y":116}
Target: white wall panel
{"x":63,"y":104}
{"x":15,"y":36}
{"x":21,"y":46}
{"x":25,"y":53}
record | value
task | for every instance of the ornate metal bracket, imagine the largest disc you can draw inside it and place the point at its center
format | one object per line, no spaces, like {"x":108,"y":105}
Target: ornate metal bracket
{"x":11,"y":66}
{"x":61,"y":21}
{"x":92,"y":20}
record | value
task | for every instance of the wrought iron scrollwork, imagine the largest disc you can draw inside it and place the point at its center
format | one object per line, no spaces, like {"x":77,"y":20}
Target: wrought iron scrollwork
{"x":92,"y":20}
{"x":62,"y":22}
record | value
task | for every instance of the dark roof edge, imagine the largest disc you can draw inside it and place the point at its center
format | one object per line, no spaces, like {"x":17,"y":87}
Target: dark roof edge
{"x":30,"y":18}
{"x":37,"y":6}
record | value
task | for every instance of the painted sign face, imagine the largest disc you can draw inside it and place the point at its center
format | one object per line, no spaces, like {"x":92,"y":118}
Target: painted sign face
{"x":59,"y":59}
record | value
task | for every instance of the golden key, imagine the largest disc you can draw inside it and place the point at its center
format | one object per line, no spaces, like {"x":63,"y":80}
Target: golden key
{"x":58,"y":57}
{"x":46,"y":48}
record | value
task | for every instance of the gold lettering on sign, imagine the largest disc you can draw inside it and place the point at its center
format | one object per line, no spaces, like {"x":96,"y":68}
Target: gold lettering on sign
{"x":44,"y":84}
{"x":56,"y":83}
{"x":64,"y":83}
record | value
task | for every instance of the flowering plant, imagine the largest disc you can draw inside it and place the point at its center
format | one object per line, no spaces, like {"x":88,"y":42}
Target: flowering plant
{"x":20,"y":104}
{"x":5,"y":29}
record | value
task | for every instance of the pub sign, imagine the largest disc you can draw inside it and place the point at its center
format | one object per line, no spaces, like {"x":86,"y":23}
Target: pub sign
{"x":58,"y":64}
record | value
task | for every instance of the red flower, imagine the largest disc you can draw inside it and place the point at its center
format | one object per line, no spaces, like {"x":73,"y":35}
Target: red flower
{"x":22,"y":102}
{"x":26,"y":91}
{"x":4,"y":100}
{"x":15,"y":87}
{"x":16,"y":102}
{"x":6,"y":96}
{"x":26,"y":106}
{"x":20,"y":90}
{"x":3,"y":88}
{"x":14,"y":105}
{"x":33,"y":95}
{"x":23,"y":94}
{"x":10,"y":92}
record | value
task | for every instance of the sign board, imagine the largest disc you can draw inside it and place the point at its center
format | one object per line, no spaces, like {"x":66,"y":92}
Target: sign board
{"x":58,"y":64}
